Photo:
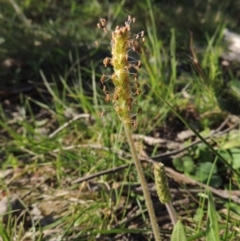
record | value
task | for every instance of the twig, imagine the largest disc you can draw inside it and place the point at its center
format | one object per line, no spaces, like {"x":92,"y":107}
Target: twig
{"x":182,"y":178}
{"x":112,"y":170}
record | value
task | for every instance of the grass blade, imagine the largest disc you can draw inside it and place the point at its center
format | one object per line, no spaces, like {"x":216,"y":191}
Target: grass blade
{"x":212,"y":233}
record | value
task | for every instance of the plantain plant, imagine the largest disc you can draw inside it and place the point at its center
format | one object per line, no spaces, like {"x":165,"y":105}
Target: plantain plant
{"x":123,"y":98}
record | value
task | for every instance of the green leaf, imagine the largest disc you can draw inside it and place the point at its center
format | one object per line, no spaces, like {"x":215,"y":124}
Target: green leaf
{"x":215,"y":181}
{"x":235,"y":157}
{"x":212,"y":232}
{"x":233,"y":207}
{"x":3,"y":233}
{"x":198,"y":216}
{"x":232,"y":155}
{"x":203,"y":154}
{"x":204,"y":170}
{"x":232,"y":143}
{"x":178,"y":233}
{"x":189,"y":165}
{"x":184,"y":164}
{"x":178,"y":164}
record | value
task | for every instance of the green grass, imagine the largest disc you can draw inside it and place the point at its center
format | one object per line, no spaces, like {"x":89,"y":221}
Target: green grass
{"x":52,"y":135}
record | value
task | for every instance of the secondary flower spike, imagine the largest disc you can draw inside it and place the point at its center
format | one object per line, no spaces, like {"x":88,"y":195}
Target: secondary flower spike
{"x":161,"y":182}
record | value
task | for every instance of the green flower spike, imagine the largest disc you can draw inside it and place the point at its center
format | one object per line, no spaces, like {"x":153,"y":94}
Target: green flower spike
{"x":163,"y":191}
{"x":161,"y":182}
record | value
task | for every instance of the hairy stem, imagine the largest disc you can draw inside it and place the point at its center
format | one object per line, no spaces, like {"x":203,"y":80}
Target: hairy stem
{"x":171,"y":212}
{"x":143,"y":182}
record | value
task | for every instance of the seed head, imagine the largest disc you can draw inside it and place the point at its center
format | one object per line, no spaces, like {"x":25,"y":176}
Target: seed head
{"x":126,"y":83}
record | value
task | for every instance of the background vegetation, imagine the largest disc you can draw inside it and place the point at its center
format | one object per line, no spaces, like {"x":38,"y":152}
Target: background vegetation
{"x":66,"y":172}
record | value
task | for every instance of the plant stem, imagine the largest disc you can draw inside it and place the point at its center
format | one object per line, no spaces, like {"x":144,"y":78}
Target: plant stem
{"x":171,"y":212}
{"x":143,"y":182}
